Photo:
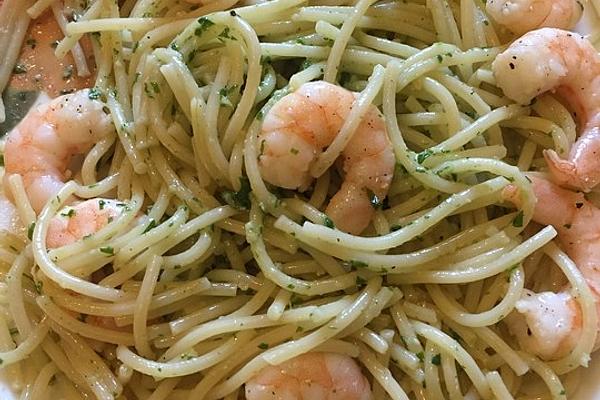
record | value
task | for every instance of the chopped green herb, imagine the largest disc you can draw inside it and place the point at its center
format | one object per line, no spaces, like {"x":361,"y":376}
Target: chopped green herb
{"x":403,"y":340}
{"x":358,"y":264}
{"x":374,"y":199}
{"x":1,"y":160}
{"x":203,"y":24}
{"x":148,"y":91}
{"x":360,"y":281}
{"x":30,"y":230}
{"x":512,"y":269}
{"x":39,"y":287}
{"x":225,"y":34}
{"x":107,"y":250}
{"x":440,"y":58}
{"x":225,"y":93}
{"x":420,"y":355}
{"x":424,"y":155}
{"x":294,"y":151}
{"x":20,"y":69}
{"x":328,"y":222}
{"x":518,"y":221}
{"x":471,"y":114}
{"x":155,"y":87}
{"x":94,"y":94}
{"x":290,"y":286}
{"x":101,"y":204}
{"x":263,"y":346}
{"x":69,"y":213}
{"x":241,"y":198}
{"x":150,"y":226}
{"x":436,"y":360}
{"x":295,"y":300}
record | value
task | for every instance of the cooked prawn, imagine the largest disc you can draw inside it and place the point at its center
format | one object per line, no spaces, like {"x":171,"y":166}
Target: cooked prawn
{"x":311,"y":376}
{"x":297,"y":129}
{"x":520,"y":16}
{"x":553,"y":59}
{"x":41,"y":146}
{"x":82,"y":219}
{"x":553,"y":321}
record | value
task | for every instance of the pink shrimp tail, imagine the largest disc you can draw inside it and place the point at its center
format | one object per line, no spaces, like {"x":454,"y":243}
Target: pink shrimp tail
{"x":582,"y":169}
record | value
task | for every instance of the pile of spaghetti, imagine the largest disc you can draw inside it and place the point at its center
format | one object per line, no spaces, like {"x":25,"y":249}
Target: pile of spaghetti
{"x":210,"y":273}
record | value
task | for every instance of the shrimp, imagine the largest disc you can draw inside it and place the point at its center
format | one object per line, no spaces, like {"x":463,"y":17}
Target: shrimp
{"x":40,"y":148}
{"x":553,"y":59}
{"x":82,"y":219}
{"x":520,"y":16}
{"x":297,"y":129}
{"x":552,"y":321}
{"x":311,"y":376}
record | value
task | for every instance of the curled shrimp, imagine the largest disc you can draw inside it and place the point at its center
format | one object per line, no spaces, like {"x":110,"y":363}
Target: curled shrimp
{"x":41,"y":146}
{"x":311,"y":376}
{"x":553,"y":59}
{"x":297,"y":129}
{"x":80,"y":220}
{"x":550,"y":323}
{"x":520,"y":16}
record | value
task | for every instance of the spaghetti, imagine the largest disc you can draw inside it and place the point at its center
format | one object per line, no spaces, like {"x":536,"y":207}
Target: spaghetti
{"x":209,"y":274}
